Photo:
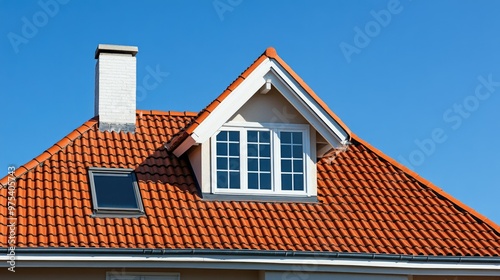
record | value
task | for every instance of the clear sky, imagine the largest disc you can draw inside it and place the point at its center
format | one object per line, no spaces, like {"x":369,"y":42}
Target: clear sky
{"x":420,"y":80}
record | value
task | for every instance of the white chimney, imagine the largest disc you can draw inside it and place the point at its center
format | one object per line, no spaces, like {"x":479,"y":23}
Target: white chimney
{"x":115,"y":87}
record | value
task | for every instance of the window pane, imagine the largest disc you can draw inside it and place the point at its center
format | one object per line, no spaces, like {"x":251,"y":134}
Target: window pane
{"x":234,"y":149}
{"x":221,"y":149}
{"x":265,"y":150}
{"x":253,"y":164}
{"x":222,"y":163}
{"x":297,"y":137}
{"x":234,"y":136}
{"x":222,"y":180}
{"x":252,"y":150}
{"x":115,"y":190}
{"x":286,"y":165}
{"x":253,"y":181}
{"x":234,"y":164}
{"x":298,"y":166}
{"x":286,"y":137}
{"x":234,"y":180}
{"x":298,"y":182}
{"x":252,"y":136}
{"x":265,"y":137}
{"x":265,"y":165}
{"x":286,"y":182}
{"x":297,"y":151}
{"x":286,"y":151}
{"x":222,"y":136}
{"x":265,"y":181}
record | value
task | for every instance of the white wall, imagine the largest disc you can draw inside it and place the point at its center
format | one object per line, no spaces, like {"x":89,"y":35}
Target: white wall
{"x":268,"y":108}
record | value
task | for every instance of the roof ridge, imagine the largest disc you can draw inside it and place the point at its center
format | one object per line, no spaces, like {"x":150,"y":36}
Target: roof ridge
{"x":55,"y":148}
{"x":428,"y":183}
{"x":168,"y":113}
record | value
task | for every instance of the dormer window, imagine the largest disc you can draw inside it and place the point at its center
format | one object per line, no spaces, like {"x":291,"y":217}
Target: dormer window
{"x":260,"y":139}
{"x":253,"y":158}
{"x":115,"y":191}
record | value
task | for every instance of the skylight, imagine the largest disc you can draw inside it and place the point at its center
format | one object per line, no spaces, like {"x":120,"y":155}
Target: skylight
{"x":115,"y":191}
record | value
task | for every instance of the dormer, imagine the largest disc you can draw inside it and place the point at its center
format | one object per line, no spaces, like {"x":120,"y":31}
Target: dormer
{"x":261,"y":138}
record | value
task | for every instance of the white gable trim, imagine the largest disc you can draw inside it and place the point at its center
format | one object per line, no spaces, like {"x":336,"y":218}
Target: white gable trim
{"x":268,"y":70}
{"x":333,"y":133}
{"x":232,"y":103}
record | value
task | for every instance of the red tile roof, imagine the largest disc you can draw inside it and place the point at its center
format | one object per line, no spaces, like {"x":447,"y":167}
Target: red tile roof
{"x":367,"y":203}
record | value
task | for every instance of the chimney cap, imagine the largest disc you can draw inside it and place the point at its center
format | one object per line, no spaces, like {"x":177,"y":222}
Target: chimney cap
{"x":105,"y":48}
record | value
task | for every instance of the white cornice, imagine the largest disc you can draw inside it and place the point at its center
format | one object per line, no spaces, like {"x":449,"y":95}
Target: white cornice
{"x":261,"y":263}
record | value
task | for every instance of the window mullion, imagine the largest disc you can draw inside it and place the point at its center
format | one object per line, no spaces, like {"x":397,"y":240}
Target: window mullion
{"x":243,"y":160}
{"x":213,"y":164}
{"x":305,"y":152}
{"x":276,"y":173}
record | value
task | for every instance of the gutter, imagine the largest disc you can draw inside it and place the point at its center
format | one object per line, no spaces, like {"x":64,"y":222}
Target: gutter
{"x":494,"y":260}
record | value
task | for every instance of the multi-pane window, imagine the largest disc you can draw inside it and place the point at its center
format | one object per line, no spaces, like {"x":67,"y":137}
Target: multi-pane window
{"x":292,"y":161}
{"x":260,"y":160}
{"x":228,"y":160}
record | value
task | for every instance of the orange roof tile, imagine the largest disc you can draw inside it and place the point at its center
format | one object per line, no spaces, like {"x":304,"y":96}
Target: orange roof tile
{"x":368,"y":203}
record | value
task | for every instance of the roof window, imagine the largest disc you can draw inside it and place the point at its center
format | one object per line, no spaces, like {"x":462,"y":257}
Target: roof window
{"x":115,"y":191}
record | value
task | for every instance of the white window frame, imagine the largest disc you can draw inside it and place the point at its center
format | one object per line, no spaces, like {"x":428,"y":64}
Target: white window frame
{"x":112,"y":275}
{"x":275,"y":129}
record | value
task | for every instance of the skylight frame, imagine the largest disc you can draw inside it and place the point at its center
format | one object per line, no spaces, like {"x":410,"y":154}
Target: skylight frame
{"x":115,"y":211}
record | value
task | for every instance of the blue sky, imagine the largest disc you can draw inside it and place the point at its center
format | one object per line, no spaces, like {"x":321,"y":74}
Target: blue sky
{"x":420,"y":80}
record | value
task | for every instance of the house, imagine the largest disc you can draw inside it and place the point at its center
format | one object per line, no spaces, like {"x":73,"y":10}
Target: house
{"x":264,"y":183}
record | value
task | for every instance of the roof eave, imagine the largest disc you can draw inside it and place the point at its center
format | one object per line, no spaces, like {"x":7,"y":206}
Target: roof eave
{"x":245,"y":252}
{"x":257,"y":259}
